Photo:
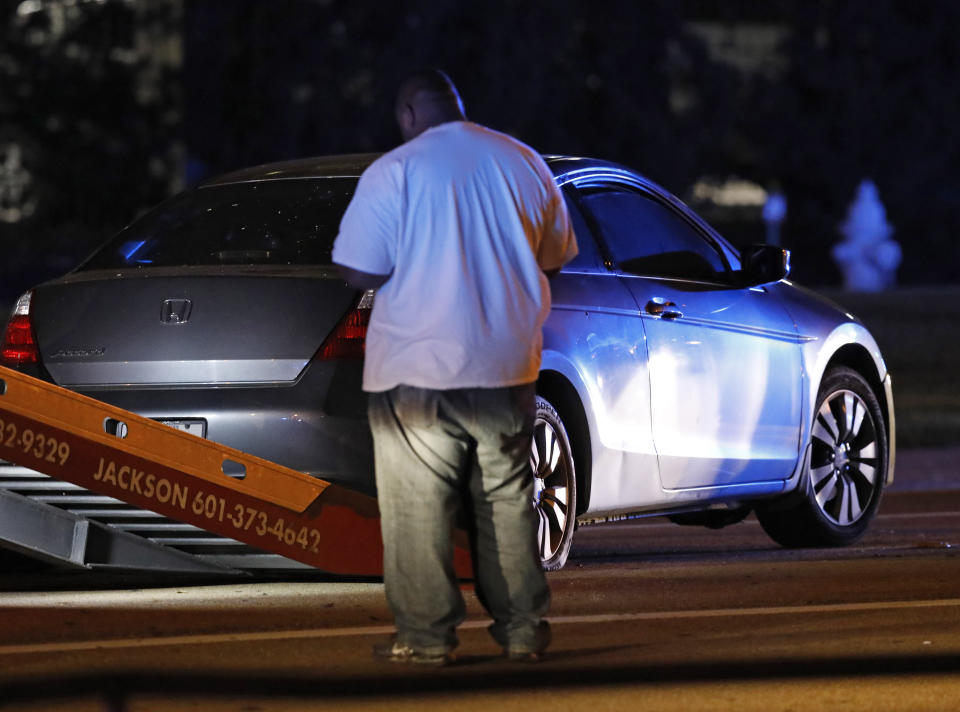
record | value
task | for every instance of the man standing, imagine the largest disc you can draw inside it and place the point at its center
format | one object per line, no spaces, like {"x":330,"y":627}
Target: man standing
{"x":459,"y":228}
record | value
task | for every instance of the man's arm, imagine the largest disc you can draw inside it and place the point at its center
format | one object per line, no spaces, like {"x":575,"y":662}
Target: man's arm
{"x":362,"y":280}
{"x":557,"y":244}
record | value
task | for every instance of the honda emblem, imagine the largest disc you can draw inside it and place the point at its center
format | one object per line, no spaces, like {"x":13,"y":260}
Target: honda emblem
{"x":175,"y":311}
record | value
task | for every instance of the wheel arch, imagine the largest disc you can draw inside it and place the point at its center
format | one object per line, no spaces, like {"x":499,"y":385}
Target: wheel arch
{"x":563,"y":396}
{"x":859,"y":359}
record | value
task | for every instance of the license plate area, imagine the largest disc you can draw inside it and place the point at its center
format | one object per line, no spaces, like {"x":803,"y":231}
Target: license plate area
{"x":194,"y":426}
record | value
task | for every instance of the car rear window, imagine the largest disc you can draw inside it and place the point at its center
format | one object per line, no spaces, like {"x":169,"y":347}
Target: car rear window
{"x":279,"y":222}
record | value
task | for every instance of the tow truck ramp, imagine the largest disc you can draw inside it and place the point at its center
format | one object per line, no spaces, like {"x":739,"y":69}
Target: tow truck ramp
{"x":59,"y":537}
{"x":135,"y":460}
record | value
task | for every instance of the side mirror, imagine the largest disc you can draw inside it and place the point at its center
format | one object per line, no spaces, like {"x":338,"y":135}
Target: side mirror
{"x":763,"y":264}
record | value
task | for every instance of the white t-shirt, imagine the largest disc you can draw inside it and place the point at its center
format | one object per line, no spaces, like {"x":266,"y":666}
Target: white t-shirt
{"x":466,"y":219}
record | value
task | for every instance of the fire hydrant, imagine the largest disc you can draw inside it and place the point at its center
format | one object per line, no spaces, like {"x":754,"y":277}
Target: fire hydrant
{"x":868,"y":257}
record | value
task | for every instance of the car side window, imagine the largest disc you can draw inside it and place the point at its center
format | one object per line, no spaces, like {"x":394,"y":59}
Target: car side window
{"x":588,"y":257}
{"x":647,"y":238}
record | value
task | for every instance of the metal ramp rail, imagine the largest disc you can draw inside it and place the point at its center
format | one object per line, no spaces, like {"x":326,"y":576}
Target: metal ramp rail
{"x":62,"y":538}
{"x":120,"y":455}
{"x":223,"y":553}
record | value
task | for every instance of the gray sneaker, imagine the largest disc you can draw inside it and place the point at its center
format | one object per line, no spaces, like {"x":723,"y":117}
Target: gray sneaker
{"x":393,"y":651}
{"x":523,"y":656}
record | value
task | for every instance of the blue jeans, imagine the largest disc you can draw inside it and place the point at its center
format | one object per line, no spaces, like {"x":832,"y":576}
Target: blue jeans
{"x":448,"y":456}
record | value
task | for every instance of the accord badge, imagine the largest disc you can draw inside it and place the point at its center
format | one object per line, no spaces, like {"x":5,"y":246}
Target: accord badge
{"x":65,"y":354}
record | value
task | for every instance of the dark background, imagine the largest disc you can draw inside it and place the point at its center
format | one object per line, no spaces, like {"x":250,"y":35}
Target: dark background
{"x":109,"y":106}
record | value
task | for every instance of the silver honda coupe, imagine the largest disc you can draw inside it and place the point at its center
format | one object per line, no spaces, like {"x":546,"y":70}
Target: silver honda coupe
{"x":680,"y":376}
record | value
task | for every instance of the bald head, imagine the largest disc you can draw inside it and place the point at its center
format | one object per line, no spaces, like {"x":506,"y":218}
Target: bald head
{"x":424,"y":100}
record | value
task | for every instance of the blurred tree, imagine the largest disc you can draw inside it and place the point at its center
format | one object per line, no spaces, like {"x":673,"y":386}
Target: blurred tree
{"x":89,"y":122}
{"x":872,"y":90}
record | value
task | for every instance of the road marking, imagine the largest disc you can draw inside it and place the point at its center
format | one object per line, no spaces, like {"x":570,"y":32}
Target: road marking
{"x":211,"y":597}
{"x":356,"y":631}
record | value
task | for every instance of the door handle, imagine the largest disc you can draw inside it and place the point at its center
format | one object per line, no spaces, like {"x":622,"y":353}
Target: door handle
{"x":663,"y":308}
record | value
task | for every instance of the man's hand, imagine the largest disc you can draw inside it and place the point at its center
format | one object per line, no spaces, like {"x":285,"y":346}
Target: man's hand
{"x":362,"y":280}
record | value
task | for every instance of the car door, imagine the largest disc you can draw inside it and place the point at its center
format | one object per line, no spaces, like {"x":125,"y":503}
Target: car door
{"x":594,"y":337}
{"x":724,"y":361}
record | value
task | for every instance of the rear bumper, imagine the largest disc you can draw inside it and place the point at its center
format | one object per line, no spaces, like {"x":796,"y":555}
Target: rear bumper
{"x":317,"y":425}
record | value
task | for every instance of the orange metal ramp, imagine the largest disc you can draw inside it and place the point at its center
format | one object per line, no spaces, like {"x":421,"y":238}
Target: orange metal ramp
{"x":150,"y":465}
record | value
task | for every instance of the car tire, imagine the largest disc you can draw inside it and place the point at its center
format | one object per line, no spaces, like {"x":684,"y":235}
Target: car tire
{"x":844,"y":473}
{"x":554,"y":486}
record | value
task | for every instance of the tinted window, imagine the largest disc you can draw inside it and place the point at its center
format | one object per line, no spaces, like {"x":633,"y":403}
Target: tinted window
{"x":645,"y":237}
{"x":286,"y":222}
{"x":588,"y":257}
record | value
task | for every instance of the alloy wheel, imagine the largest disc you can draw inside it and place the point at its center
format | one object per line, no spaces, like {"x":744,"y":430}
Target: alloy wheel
{"x":551,"y":485}
{"x":844,"y":464}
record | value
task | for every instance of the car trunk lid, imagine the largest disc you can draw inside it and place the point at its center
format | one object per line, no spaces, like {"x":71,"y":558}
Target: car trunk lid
{"x":187,"y":326}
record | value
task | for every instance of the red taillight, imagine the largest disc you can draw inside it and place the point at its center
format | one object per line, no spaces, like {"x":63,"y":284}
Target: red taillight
{"x":19,"y":342}
{"x":349,"y":337}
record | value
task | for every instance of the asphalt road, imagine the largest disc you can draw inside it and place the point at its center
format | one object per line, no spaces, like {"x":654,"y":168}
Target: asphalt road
{"x":646,"y":613}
